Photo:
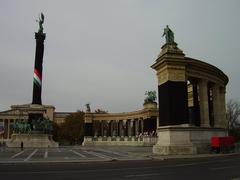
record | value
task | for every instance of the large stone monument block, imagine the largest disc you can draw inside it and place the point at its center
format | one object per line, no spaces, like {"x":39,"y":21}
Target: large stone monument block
{"x":175,"y":72}
{"x":173,"y":108}
{"x":37,"y":140}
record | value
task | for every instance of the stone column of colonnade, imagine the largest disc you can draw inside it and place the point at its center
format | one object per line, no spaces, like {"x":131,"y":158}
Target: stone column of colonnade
{"x":204,"y":108}
{"x":9,"y":122}
{"x":121,"y":128}
{"x":141,"y":123}
{"x":222,"y":122}
{"x":110,"y":128}
{"x":5,"y":121}
{"x":125,"y":125}
{"x":7,"y":128}
{"x":216,"y":105}
{"x":130,"y":128}
{"x":115,"y":128}
{"x":196,"y":116}
{"x":127,"y":131}
{"x":218,"y":99}
{"x":219,"y":106}
{"x":102,"y":128}
{"x":136,"y":122}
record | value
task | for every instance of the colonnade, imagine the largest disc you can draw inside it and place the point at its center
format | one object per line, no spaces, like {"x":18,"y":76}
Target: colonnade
{"x":123,"y":128}
{"x":6,"y":123}
{"x":209,"y":103}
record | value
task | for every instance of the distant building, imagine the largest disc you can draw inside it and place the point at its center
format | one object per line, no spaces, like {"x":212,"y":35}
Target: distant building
{"x":144,"y":120}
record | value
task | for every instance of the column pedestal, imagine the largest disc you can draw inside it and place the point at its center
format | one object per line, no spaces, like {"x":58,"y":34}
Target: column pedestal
{"x":183,"y":139}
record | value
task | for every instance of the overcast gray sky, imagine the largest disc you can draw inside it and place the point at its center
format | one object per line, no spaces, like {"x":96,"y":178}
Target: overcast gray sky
{"x":100,"y":51}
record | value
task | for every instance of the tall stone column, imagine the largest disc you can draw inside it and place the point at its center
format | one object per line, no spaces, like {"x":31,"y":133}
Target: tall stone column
{"x":37,"y":76}
{"x":204,"y":109}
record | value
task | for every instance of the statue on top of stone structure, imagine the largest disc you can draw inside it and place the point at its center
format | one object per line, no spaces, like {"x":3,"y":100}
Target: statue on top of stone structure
{"x":151,"y":97}
{"x":169,"y":35}
{"x":88,"y":109}
{"x":40,"y":23}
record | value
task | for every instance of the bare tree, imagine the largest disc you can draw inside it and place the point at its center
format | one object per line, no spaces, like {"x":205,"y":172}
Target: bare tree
{"x":233,"y":114}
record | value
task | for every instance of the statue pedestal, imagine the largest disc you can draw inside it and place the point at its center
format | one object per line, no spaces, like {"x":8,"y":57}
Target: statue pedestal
{"x":88,"y":141}
{"x":32,"y":140}
{"x":150,"y":105}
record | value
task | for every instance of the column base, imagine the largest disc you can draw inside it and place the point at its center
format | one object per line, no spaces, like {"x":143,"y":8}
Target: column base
{"x":180,"y":140}
{"x":174,"y":150}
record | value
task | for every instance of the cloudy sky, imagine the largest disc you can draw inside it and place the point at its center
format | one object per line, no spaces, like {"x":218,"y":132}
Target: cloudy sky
{"x":100,"y":51}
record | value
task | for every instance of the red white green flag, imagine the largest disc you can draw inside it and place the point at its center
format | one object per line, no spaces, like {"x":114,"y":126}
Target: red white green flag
{"x":37,"y":78}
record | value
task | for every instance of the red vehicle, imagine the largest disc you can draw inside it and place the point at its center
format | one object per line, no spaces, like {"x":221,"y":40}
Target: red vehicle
{"x":222,"y":144}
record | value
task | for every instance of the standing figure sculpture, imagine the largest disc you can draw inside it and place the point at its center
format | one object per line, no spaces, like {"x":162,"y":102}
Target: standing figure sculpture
{"x":40,"y":22}
{"x":151,"y":97}
{"x":169,"y":35}
{"x":88,"y":109}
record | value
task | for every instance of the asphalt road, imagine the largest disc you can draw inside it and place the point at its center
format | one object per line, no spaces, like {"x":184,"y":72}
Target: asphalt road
{"x":220,"y":167}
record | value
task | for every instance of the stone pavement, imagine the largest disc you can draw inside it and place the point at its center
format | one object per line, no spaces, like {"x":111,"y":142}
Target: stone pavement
{"x":74,"y":154}
{"x":85,"y":154}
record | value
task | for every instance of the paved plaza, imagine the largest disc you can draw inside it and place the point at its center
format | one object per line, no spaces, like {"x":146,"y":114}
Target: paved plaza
{"x":74,"y":154}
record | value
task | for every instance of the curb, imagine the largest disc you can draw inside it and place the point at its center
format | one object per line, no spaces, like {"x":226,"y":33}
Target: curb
{"x":76,"y":161}
{"x":191,"y":156}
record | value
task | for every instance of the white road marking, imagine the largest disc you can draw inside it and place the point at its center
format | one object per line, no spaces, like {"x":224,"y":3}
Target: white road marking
{"x":29,"y":157}
{"x":15,"y":155}
{"x":46,"y":154}
{"x":98,"y":155}
{"x":77,"y":153}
